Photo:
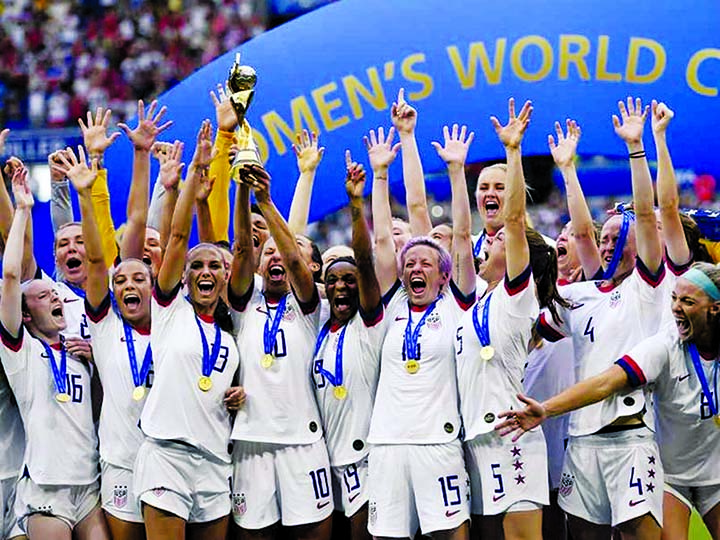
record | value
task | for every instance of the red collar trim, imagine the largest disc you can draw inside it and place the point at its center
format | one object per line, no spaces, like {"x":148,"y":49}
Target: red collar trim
{"x":145,"y":330}
{"x":562,"y":282}
{"x":418,"y":309}
{"x":57,"y":346}
{"x":205,"y":318}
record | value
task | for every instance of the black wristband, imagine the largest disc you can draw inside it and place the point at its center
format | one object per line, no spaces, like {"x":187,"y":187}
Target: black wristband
{"x":637,"y":155}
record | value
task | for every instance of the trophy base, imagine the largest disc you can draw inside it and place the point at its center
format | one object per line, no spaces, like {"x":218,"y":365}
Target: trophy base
{"x":243,"y":158}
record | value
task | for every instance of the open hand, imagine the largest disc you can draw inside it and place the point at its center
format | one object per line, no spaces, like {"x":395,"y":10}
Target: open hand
{"x":21,"y":188}
{"x":564,"y":151}
{"x":381,"y":151}
{"x":511,"y":135}
{"x":456,"y":145}
{"x":530,"y":417}
{"x":171,"y":165}
{"x":76,"y":169}
{"x":307,"y":153}
{"x":144,"y":135}
{"x":224,"y":112}
{"x":629,"y":127}
{"x":94,"y":133}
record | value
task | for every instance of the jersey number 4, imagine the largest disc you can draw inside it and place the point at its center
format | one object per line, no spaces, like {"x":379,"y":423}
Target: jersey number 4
{"x":590,"y":330}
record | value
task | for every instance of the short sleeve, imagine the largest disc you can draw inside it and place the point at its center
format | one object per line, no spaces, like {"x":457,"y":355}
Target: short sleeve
{"x":646,"y":361}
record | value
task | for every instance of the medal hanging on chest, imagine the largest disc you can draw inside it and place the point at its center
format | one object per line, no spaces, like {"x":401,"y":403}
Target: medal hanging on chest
{"x":59,"y":372}
{"x":483,"y":329}
{"x":336,"y":379}
{"x":410,"y":341}
{"x":270,"y":332}
{"x":209,"y":357}
{"x":138,"y":375}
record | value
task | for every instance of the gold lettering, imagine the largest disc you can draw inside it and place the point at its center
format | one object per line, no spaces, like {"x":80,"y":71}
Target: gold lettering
{"x":601,"y":72}
{"x":516,"y":58}
{"x":691,"y":73}
{"x":660,"y":60}
{"x":276,"y":126}
{"x":411,"y":75}
{"x":478,"y":53}
{"x":576,"y":57}
{"x":325,"y":107}
{"x":353,"y":88}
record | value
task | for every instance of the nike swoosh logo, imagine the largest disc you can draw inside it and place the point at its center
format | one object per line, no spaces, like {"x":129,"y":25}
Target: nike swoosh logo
{"x":496,"y":498}
{"x":635,"y":503}
{"x":683,"y":377}
{"x":68,"y":300}
{"x":351,"y":499}
{"x":322,"y":505}
{"x":401,"y":318}
{"x":448,"y":513}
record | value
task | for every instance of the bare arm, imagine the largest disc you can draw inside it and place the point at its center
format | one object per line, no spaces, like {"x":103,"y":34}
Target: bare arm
{"x":243,"y":264}
{"x":564,"y":153}
{"x":173,"y":263}
{"x":171,"y":167}
{"x":83,"y":178}
{"x":630,"y":130}
{"x":29,"y":265}
{"x":404,"y":119}
{"x":517,"y":252}
{"x":308,"y":159}
{"x":667,"y":190}
{"x":142,"y":137}
{"x":454,"y":154}
{"x":382,"y":153}
{"x":11,"y":299}
{"x":368,"y":285}
{"x":6,"y":206}
{"x":206,"y":232}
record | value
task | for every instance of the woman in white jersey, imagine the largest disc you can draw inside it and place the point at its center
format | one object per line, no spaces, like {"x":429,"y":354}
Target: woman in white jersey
{"x":281,"y":471}
{"x":681,"y":365}
{"x":347,"y":361}
{"x":416,"y":473}
{"x":508,"y":481}
{"x":182,"y":468}
{"x":607,"y":318}
{"x":119,"y":325}
{"x":58,"y":493}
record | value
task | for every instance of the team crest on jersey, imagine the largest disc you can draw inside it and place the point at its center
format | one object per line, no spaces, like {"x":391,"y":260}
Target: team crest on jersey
{"x":566,"y":484}
{"x":614,"y":298}
{"x":290,"y":314}
{"x":239,"y":506}
{"x":120,"y":495}
{"x":433,"y":321}
{"x":159,"y":491}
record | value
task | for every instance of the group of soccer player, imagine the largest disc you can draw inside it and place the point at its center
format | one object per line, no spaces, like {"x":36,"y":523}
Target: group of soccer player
{"x":161,"y":391}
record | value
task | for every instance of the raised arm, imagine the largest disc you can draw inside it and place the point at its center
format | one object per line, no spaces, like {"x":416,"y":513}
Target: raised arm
{"x":517,"y":252}
{"x":667,"y":190}
{"x":368,"y":285}
{"x":11,"y":299}
{"x":29,"y":265}
{"x":629,"y":127}
{"x":61,"y":211}
{"x":6,"y":206}
{"x":404,"y":119}
{"x":83,"y":178}
{"x":582,"y":394}
{"x":219,"y":199}
{"x":583,"y":230}
{"x":173,"y":263}
{"x":308,"y":159}
{"x":166,"y":192}
{"x":299,"y":273}
{"x":243,"y":264}
{"x":142,"y":138}
{"x":381,"y":154}
{"x":454,"y":154}
{"x":206,"y":231}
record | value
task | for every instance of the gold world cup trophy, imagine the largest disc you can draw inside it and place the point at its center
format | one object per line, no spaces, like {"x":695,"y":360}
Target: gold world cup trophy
{"x":241,"y":85}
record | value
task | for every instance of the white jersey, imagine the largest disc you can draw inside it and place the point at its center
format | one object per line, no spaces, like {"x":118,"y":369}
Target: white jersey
{"x":675,"y":271}
{"x":120,"y":436}
{"x":347,"y":421}
{"x":61,"y":446}
{"x":73,"y":308}
{"x":420,"y":407}
{"x":12,"y":442}
{"x":689,"y":439}
{"x":177,"y":409}
{"x":604,"y":324}
{"x":280,"y":405}
{"x":488,"y":387}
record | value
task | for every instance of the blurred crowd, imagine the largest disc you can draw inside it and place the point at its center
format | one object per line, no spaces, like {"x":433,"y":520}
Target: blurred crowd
{"x":62,"y":58}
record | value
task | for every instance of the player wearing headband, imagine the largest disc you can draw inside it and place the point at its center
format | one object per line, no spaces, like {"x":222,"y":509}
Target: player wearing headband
{"x":347,"y":361}
{"x":681,"y":367}
{"x":606,"y":319}
{"x":281,"y":471}
{"x":416,"y":467}
{"x":509,"y":481}
{"x":58,"y":493}
{"x":119,"y":324}
{"x":183,"y":466}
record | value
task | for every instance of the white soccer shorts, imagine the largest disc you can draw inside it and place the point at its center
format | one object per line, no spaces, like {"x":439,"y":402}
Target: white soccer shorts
{"x":703,"y":498}
{"x":417,"y":485}
{"x":350,"y":486}
{"x":116,"y":493}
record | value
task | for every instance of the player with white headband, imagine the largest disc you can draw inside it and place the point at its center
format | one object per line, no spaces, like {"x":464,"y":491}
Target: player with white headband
{"x":681,"y":367}
{"x":607,"y":318}
{"x":58,"y":493}
{"x":347,"y":360}
{"x":183,"y":466}
{"x":416,"y":467}
{"x":281,"y":471}
{"x":508,"y":481}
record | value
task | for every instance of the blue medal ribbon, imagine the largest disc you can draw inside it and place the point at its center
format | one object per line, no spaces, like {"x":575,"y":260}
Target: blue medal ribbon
{"x":139,"y":377}
{"x":411,"y":336}
{"x":208,"y":360}
{"x":483,"y":331}
{"x":478,"y":245}
{"x":697,"y":363}
{"x":59,"y":373}
{"x":272,"y":325}
{"x":337,"y":378}
{"x":628,"y":217}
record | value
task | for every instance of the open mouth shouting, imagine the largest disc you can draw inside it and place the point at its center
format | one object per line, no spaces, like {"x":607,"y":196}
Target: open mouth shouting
{"x":57,"y":311}
{"x":205,"y":287}
{"x":683,"y":326}
{"x":73,"y":263}
{"x":342,"y":304}
{"x":418,"y":285}
{"x":492,"y":207}
{"x":276,"y":272}
{"x":131,"y":301}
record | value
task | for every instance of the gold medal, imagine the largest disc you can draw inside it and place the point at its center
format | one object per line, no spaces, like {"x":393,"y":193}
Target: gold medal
{"x":205,"y":383}
{"x":412,"y":366}
{"x":267,"y":361}
{"x":716,"y":419}
{"x":340,"y":392}
{"x":487,"y":352}
{"x":138,"y":393}
{"x":62,"y":397}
